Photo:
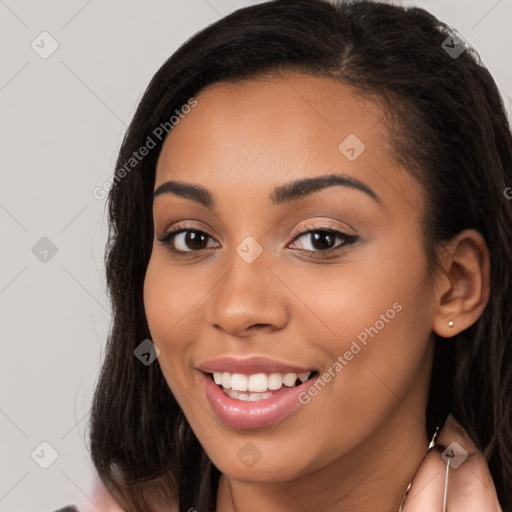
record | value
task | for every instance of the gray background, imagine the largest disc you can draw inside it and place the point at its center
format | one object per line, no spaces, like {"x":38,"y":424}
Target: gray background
{"x":62,"y":123}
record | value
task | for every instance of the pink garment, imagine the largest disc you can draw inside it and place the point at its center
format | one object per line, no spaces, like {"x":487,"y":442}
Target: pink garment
{"x":100,"y":498}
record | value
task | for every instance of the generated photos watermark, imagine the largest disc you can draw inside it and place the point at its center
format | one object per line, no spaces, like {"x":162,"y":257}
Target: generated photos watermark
{"x":343,"y":360}
{"x":159,"y":133}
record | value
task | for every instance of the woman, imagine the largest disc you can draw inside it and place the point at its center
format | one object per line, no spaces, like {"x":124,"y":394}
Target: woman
{"x":309,"y":262}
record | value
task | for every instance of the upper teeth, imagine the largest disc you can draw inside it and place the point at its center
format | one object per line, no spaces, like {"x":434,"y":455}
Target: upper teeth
{"x":257,"y":382}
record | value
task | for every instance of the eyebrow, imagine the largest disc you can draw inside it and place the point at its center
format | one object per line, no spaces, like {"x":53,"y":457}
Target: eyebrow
{"x":283,"y":193}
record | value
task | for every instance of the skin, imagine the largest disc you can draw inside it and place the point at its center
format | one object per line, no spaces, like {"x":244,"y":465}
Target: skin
{"x":356,"y":445}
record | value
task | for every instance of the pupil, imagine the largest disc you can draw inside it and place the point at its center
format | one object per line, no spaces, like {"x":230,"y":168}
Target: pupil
{"x":318,"y":235}
{"x":194,"y":239}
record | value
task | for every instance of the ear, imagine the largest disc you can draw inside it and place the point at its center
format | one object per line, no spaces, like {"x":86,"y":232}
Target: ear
{"x":462,"y":287}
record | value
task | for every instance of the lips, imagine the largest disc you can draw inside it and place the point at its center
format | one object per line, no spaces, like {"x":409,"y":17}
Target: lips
{"x":249,"y":365}
{"x":243,"y":408}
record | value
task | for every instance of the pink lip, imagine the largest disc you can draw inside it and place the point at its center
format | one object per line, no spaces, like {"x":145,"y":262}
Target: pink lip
{"x":249,"y":365}
{"x":251,"y":415}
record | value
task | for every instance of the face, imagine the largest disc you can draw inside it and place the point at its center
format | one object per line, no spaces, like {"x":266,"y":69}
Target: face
{"x":259,"y":283}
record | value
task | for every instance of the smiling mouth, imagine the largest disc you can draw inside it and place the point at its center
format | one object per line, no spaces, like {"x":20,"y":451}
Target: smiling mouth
{"x":258,"y":386}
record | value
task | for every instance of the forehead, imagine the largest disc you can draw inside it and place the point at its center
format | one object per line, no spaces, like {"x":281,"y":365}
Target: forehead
{"x":251,"y":135}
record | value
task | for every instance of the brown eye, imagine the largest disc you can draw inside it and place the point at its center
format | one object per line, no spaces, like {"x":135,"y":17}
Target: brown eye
{"x":186,"y":240}
{"x":322,"y":240}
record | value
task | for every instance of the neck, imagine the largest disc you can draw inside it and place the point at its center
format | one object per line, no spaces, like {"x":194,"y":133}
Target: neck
{"x":373,"y":476}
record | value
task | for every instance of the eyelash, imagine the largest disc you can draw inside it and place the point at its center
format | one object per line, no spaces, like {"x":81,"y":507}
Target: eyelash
{"x":347,"y":239}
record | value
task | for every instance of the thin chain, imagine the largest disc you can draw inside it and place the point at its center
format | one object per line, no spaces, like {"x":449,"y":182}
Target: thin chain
{"x":430,"y":446}
{"x":446,"y":483}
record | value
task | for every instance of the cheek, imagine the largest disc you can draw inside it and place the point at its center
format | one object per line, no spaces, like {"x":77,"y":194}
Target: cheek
{"x":379,"y":313}
{"x":169,"y":302}
{"x":169,"y":296}
{"x":366,"y":294}
{"x":158,"y":304}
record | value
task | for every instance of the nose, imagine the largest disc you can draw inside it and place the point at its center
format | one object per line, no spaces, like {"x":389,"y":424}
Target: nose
{"x":250,"y":298}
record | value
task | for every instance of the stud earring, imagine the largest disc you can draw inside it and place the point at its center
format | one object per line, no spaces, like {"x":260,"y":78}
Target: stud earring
{"x":450,"y":323}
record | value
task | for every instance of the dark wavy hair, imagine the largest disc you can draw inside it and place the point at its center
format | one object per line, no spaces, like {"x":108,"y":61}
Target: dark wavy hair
{"x":448,"y":127}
